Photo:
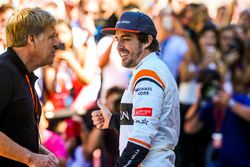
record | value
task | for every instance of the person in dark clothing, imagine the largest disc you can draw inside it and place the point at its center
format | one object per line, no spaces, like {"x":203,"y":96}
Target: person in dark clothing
{"x":31,"y":42}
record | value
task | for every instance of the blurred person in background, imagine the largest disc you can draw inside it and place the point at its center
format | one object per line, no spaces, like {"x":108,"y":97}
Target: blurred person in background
{"x":52,"y":141}
{"x":195,"y":136}
{"x":227,"y":38}
{"x":209,"y":51}
{"x":244,"y":19}
{"x":58,"y":84}
{"x":233,"y":47}
{"x":221,"y":15}
{"x":19,"y":4}
{"x":173,"y":46}
{"x":149,"y":131}
{"x":228,"y":117}
{"x":186,"y":150}
{"x":107,"y":140}
{"x":71,"y":86}
{"x":235,"y":58}
{"x":244,"y":22}
{"x":55,"y":7}
{"x":186,"y":17}
{"x":71,"y":9}
{"x":6,"y":10}
{"x":224,"y":14}
{"x":93,"y":140}
{"x":72,"y":83}
{"x":109,"y":10}
{"x":31,"y":43}
{"x":84,"y":29}
{"x":77,"y":141}
{"x":202,"y":19}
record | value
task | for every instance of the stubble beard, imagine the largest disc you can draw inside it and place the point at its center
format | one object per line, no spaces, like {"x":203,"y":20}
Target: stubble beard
{"x":132,"y":62}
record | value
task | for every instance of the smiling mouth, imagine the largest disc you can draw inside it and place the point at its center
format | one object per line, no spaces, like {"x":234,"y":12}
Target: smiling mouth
{"x":124,"y":55}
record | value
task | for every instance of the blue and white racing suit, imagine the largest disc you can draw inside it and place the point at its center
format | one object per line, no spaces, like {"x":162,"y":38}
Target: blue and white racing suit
{"x":149,"y":116}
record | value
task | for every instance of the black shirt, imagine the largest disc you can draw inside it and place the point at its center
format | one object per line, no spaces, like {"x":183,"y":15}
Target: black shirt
{"x":18,"y":119}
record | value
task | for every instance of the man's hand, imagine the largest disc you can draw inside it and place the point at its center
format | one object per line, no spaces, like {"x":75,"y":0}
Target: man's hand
{"x":221,"y":99}
{"x":101,"y":118}
{"x":44,"y":150}
{"x":41,"y":160}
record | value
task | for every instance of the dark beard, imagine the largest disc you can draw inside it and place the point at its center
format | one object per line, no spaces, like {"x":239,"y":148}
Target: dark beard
{"x":131,"y":63}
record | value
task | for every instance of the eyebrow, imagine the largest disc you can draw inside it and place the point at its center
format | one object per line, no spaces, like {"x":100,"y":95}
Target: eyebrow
{"x":126,"y":35}
{"x":123,"y":36}
{"x":52,"y":35}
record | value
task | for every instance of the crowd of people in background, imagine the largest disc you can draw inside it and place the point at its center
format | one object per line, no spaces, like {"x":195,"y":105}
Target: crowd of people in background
{"x":208,"y":57}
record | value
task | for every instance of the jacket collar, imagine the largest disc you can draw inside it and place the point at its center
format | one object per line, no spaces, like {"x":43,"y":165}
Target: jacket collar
{"x":145,"y":59}
{"x":18,"y":62}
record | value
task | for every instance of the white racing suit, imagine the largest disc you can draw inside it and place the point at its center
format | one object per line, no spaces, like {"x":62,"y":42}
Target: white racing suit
{"x":149,"y":117}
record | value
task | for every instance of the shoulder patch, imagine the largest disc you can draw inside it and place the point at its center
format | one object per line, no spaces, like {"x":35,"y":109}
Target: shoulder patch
{"x":148,"y":75}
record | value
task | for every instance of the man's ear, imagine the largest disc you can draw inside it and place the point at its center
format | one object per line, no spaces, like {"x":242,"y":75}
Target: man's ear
{"x":148,"y":43}
{"x":31,"y":40}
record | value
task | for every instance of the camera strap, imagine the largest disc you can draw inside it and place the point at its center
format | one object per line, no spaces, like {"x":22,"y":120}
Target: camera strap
{"x":218,"y":116}
{"x":217,"y":136}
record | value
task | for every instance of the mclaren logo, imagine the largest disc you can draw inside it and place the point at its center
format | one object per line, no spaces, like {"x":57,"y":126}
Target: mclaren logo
{"x":124,"y":115}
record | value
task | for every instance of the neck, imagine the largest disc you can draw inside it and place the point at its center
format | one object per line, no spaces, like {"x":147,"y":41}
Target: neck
{"x":25,"y":56}
{"x":145,"y":53}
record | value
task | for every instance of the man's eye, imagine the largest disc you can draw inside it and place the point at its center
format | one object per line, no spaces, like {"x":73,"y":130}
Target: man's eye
{"x":52,"y":36}
{"x":126,"y":39}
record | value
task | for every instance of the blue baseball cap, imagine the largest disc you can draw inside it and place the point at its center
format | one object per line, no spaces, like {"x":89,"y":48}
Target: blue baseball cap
{"x":134,"y":22}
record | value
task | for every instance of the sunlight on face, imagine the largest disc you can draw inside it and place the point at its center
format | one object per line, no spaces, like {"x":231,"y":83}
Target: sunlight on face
{"x":45,"y":45}
{"x":129,"y":48}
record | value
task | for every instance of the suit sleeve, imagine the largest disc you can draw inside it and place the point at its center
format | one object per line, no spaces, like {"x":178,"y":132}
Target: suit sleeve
{"x":132,"y":156}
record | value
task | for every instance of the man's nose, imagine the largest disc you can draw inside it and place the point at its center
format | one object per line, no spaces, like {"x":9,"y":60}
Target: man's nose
{"x":120,"y":44}
{"x":56,"y":43}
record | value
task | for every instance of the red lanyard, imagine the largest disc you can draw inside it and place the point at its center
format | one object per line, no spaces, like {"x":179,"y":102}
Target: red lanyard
{"x":218,"y":114}
{"x":35,"y":105}
{"x":34,"y":97}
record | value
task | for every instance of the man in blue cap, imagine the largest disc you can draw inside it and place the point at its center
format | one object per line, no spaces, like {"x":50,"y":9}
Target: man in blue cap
{"x":149,"y":116}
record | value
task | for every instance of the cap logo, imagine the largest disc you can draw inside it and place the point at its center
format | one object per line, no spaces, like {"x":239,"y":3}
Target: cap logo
{"x":123,"y":22}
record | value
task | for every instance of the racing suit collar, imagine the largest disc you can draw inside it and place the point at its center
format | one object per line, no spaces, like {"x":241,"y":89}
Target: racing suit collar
{"x":146,"y":58}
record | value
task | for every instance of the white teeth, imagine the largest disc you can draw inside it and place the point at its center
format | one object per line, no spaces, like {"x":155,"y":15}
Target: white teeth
{"x":123,"y":53}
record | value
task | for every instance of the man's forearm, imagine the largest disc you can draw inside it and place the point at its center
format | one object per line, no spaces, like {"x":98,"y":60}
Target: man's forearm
{"x":11,"y":150}
{"x":132,"y":155}
{"x":241,"y":110}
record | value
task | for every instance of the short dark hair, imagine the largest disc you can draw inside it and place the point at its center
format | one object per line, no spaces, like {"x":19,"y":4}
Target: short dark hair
{"x":154,"y":46}
{"x":114,"y":89}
